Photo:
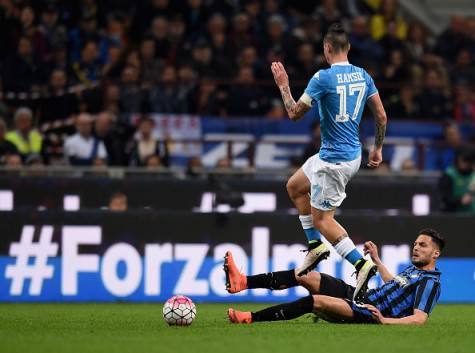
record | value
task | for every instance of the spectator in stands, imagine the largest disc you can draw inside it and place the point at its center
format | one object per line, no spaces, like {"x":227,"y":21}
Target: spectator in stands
{"x":83,"y":149}
{"x":271,"y":8}
{"x":153,"y":161}
{"x":60,"y":104}
{"x":180,"y":44}
{"x":87,"y":69}
{"x":194,"y":167}
{"x":22,"y":72}
{"x":106,"y":131}
{"x":388,"y":14}
{"x":309,"y":32}
{"x":148,"y":10}
{"x":114,"y":35}
{"x":390,"y":41}
{"x":131,"y":96}
{"x":53,"y":33}
{"x":53,"y":148}
{"x":363,"y":47}
{"x":147,"y":145}
{"x":13,"y":160}
{"x":404,"y":105}
{"x":463,"y":72}
{"x":249,"y":58}
{"x":78,"y":37}
{"x":443,"y":156}
{"x":395,"y":73}
{"x":212,"y":99}
{"x":111,"y":100}
{"x":240,"y":35}
{"x":151,"y":66}
{"x":169,"y":96}
{"x":223,"y":164}
{"x":457,"y":184}
{"x":27,"y":18}
{"x":195,"y":17}
{"x":306,"y":64}
{"x":464,"y":109}
{"x":416,"y":43}
{"x":433,"y":99}
{"x":26,"y":139}
{"x":408,"y":167}
{"x":277,"y":110}
{"x":59,"y":59}
{"x":244,"y":98}
{"x":159,"y":33}
{"x":114,"y":64}
{"x":275,"y":37}
{"x":187,"y":79}
{"x":202,"y":59}
{"x":6,"y":147}
{"x":452,"y":40}
{"x":327,"y":14}
{"x":118,"y":202}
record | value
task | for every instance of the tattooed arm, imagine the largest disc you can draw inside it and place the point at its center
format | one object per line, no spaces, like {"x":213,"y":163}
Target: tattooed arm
{"x":377,"y":108}
{"x":296,"y":110}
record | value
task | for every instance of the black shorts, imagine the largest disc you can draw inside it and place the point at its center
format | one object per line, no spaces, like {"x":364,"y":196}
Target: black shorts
{"x":337,"y":288}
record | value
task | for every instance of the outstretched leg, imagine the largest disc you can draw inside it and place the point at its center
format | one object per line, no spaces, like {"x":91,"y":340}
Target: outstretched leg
{"x":336,"y":308}
{"x":237,"y":282}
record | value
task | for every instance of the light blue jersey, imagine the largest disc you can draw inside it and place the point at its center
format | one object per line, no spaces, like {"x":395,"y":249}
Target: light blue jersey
{"x":341,"y":93}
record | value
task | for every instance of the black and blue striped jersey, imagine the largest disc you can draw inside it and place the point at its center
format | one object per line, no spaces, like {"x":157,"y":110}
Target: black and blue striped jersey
{"x":411,"y":289}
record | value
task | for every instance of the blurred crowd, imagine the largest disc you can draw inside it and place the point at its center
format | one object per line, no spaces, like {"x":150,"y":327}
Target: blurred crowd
{"x":212,"y":57}
{"x":101,"y":60}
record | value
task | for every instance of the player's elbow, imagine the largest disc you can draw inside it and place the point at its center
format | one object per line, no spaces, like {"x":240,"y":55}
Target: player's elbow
{"x":419,"y":321}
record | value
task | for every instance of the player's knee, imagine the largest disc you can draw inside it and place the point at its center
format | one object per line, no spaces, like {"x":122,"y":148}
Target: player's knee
{"x":318,"y":303}
{"x":292,"y":188}
{"x":310,"y":281}
{"x":320,"y":219}
{"x":301,"y":280}
{"x":319,"y":222}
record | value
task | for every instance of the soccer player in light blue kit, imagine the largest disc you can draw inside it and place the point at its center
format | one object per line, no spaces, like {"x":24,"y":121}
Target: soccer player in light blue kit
{"x":341,"y":93}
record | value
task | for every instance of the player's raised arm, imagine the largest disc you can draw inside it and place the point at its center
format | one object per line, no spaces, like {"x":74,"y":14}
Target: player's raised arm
{"x":371,"y":249}
{"x":377,"y":108}
{"x":296,"y":110}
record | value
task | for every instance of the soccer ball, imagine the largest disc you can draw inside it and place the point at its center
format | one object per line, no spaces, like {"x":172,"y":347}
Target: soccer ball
{"x":179,"y":310}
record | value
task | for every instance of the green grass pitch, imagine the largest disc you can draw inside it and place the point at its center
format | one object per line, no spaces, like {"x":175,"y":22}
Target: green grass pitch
{"x":140,"y":328}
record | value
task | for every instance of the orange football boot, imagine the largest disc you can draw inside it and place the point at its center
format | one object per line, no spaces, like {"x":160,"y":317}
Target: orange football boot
{"x":239,"y":317}
{"x":235,"y":280}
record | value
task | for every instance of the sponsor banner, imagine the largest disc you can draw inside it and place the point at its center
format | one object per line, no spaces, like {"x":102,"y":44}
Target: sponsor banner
{"x":123,"y":258}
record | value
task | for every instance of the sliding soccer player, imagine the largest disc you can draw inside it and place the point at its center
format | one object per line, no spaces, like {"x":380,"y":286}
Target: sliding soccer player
{"x":407,"y":298}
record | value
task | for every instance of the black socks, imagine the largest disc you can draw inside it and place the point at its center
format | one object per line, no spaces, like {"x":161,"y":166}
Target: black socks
{"x":286,"y":311}
{"x":273,"y":280}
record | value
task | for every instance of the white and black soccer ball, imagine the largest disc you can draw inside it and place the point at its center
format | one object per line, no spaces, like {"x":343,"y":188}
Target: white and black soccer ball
{"x":179,"y":310}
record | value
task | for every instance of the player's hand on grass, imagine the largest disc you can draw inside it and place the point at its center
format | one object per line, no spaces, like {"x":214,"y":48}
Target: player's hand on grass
{"x":376,"y":314}
{"x":372,"y":249}
{"x":280,"y":75}
{"x":375,"y":158}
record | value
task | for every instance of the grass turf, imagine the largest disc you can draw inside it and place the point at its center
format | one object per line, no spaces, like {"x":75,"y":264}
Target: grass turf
{"x":140,"y":328}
